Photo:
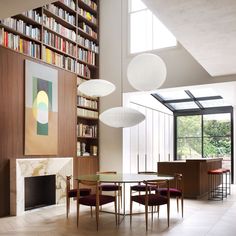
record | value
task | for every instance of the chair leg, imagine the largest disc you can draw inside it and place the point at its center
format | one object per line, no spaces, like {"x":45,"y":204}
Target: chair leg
{"x":158,"y":210}
{"x":177,"y":200}
{"x":146,"y":216}
{"x":77,"y":214}
{"x":152,"y":214}
{"x":97,"y":216}
{"x":116,"y":211}
{"x":131,"y":205}
{"x":91,"y":211}
{"x":168,"y":214}
{"x":182,"y":206}
{"x":67,"y":206}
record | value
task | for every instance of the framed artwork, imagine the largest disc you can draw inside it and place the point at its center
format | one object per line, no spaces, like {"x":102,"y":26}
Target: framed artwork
{"x":41,"y":109}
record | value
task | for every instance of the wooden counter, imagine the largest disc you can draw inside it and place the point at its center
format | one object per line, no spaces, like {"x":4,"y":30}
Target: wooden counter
{"x":194,"y":172}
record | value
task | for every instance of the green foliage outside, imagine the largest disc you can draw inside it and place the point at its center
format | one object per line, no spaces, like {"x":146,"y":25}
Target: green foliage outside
{"x":216,"y":138}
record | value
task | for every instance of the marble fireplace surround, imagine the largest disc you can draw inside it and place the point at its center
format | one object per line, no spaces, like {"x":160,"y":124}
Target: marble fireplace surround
{"x":27,"y":167}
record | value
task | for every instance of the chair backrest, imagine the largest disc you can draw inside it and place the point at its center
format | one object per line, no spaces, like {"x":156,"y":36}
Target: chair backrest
{"x":106,"y":172}
{"x":68,"y":184}
{"x":179,"y":181}
{"x":157,"y":184}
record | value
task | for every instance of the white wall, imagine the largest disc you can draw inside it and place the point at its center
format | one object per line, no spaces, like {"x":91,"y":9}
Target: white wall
{"x":182,"y":70}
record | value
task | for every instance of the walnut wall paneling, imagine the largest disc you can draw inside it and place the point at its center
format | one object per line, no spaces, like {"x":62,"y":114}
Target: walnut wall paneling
{"x":12,"y":116}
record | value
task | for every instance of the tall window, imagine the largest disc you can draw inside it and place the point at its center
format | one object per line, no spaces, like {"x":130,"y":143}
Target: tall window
{"x":146,"y":30}
{"x":204,"y":136}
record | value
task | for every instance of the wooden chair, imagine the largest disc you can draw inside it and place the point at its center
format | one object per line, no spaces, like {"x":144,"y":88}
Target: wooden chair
{"x":94,"y":200}
{"x":141,"y":187}
{"x":176,"y":192}
{"x":111,"y":187}
{"x":151,"y":199}
{"x":72,"y":193}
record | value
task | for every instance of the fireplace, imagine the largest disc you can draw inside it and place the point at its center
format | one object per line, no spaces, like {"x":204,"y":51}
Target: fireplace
{"x":22,"y":168}
{"x":40,"y":191}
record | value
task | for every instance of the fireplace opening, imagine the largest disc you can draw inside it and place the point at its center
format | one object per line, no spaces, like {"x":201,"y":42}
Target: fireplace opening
{"x":40,"y":191}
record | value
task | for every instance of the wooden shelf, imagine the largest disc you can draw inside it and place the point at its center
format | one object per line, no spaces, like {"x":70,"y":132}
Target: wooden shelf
{"x":28,"y":20}
{"x":90,"y":98}
{"x":59,"y":51}
{"x":65,"y":7}
{"x":83,"y":77}
{"x":86,"y":35}
{"x":60,"y":35}
{"x":87,"y":118}
{"x":23,"y":36}
{"x":87,"y":108}
{"x":83,"y":47}
{"x":87,"y":156}
{"x":86,"y":63}
{"x":59,"y":19}
{"x":91,"y":24}
{"x":87,"y":7}
{"x":84,"y":137}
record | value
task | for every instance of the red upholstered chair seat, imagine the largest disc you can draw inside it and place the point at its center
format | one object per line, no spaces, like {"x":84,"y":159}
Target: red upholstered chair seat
{"x":91,"y":200}
{"x":109,"y":187}
{"x":83,"y":192}
{"x":141,"y":188}
{"x":153,"y":199}
{"x":173,"y":192}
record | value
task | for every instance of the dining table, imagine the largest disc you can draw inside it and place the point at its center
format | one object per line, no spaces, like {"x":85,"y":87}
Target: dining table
{"x":123,"y":179}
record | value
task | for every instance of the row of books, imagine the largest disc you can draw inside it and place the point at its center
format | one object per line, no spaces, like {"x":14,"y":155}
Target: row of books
{"x":87,"y":15}
{"x":87,"y":113}
{"x":59,"y":43}
{"x":86,"y":130}
{"x":34,"y":15}
{"x":91,"y":4}
{"x":69,"y":3}
{"x":87,"y":29}
{"x":53,"y":25}
{"x":61,"y":13}
{"x":59,"y":60}
{"x":22,"y":27}
{"x":83,"y":70}
{"x":81,"y":149}
{"x":21,"y":45}
{"x":87,"y":43}
{"x":86,"y":56}
{"x":81,"y":101}
{"x":80,"y":80}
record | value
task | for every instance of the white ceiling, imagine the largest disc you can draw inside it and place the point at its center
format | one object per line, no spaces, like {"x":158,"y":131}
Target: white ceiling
{"x":13,"y":7}
{"x":206,"y":28}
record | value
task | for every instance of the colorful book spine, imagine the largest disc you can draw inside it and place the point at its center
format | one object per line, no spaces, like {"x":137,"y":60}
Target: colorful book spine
{"x":22,"y":27}
{"x":53,"y":25}
{"x":87,"y":15}
{"x":69,"y":3}
{"x":83,"y":70}
{"x":91,"y":4}
{"x":81,"y":101}
{"x":87,"y":29}
{"x":87,"y":113}
{"x":59,"y":43}
{"x":87,"y":130}
{"x":86,"y":56}
{"x":87,"y":43}
{"x":61,"y":13}
{"x":54,"y":58}
{"x":34,"y":15}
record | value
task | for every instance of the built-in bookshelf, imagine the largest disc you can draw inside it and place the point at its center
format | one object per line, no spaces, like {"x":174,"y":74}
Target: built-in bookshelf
{"x":65,"y":34}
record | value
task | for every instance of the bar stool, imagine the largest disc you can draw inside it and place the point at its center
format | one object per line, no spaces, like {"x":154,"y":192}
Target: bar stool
{"x":227,"y":181}
{"x":216,"y":184}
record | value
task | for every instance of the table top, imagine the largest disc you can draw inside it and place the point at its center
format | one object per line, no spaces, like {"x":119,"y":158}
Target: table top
{"x":124,"y":178}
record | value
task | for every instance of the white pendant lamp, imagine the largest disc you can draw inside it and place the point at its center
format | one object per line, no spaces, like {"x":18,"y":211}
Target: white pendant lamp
{"x":121,"y":117}
{"x":96,"y":88}
{"x":146,"y":72}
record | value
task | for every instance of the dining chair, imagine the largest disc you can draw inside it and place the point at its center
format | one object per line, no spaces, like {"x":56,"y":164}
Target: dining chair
{"x":141,"y":187}
{"x":94,"y":200}
{"x":72,"y":193}
{"x":111,"y":187}
{"x":176,"y":192}
{"x":151,"y":199}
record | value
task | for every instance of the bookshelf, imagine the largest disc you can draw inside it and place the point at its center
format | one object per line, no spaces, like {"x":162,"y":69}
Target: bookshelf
{"x":65,"y":34}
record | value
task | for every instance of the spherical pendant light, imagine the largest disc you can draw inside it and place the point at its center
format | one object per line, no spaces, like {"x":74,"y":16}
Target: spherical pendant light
{"x":121,"y":117}
{"x":96,"y":88}
{"x":146,"y":72}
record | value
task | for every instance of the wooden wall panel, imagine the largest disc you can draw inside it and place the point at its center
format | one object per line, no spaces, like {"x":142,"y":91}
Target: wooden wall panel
{"x":12,"y":116}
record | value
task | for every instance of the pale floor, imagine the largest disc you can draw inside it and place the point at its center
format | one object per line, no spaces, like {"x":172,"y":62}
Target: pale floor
{"x":201,"y":217}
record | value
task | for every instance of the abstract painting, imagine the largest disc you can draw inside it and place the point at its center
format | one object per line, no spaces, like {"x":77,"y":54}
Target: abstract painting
{"x":41,"y":109}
